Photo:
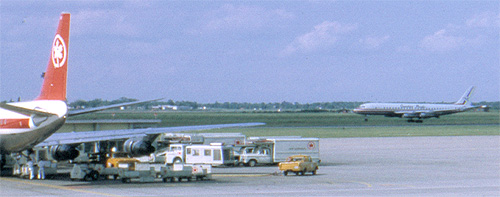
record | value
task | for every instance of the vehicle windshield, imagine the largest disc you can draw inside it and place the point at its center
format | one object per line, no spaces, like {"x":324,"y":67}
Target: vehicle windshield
{"x":295,"y":159}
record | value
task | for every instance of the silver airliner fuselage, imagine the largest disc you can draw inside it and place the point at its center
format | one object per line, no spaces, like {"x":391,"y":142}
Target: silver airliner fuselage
{"x":416,"y":110}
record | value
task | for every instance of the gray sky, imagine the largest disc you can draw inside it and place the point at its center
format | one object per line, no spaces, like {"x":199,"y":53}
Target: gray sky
{"x":257,"y":51}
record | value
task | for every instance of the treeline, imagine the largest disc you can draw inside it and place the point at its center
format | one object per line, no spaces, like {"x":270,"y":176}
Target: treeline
{"x":190,"y":105}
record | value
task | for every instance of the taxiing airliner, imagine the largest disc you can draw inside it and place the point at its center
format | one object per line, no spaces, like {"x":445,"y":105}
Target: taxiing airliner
{"x":419,"y":111}
{"x":24,"y":125}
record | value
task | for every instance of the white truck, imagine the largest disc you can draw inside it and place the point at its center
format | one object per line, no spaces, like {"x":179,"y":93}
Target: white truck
{"x":277,"y":149}
{"x":202,"y":138}
{"x":214,"y":154}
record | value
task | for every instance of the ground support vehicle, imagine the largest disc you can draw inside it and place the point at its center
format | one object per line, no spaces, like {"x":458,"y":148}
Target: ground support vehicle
{"x":91,"y":171}
{"x":201,"y":171}
{"x":146,"y":172}
{"x":299,"y":164}
{"x":202,"y":138}
{"x":266,"y":150}
{"x":214,"y":154}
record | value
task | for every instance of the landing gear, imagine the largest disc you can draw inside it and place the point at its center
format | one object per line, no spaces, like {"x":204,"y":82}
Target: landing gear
{"x":417,"y":121}
{"x":3,"y":160}
{"x":366,"y":118}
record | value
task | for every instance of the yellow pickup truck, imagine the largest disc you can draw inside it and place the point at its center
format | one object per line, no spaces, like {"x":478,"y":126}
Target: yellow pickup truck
{"x":300,"y":164}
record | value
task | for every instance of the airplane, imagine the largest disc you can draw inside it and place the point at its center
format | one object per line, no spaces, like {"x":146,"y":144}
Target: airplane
{"x":29,"y":124}
{"x":419,"y":111}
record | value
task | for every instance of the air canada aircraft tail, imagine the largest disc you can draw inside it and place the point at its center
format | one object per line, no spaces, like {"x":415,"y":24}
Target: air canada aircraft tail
{"x":54,"y":83}
{"x":465,"y":99}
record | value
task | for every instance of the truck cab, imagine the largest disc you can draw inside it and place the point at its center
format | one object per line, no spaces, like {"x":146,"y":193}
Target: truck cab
{"x":251,"y":156}
{"x":176,"y":153}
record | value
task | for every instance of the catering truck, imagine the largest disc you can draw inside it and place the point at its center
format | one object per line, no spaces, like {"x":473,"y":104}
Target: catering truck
{"x":214,"y":154}
{"x":272,"y":150}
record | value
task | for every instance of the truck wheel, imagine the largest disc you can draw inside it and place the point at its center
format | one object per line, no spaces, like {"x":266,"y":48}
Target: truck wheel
{"x":314,"y":172}
{"x":177,"y":160}
{"x":87,"y":177}
{"x":94,"y":175}
{"x":252,"y":163}
{"x":302,"y":173}
{"x":285,"y":173}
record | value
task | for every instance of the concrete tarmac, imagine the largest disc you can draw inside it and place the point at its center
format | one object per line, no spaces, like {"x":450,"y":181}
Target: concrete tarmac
{"x":393,"y":166}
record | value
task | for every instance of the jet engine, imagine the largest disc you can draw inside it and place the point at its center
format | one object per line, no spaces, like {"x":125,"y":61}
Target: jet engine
{"x":138,"y":147}
{"x":427,"y":115}
{"x":64,"y":152}
{"x":410,"y":115}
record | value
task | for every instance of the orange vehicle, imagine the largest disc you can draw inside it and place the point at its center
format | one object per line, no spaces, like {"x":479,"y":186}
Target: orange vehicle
{"x":300,"y":164}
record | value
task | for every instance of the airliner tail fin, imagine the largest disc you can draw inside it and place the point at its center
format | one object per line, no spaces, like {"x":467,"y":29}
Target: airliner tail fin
{"x":54,"y":83}
{"x":465,"y":99}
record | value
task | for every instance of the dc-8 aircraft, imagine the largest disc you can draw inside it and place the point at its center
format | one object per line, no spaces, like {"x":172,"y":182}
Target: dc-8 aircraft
{"x":24,"y":125}
{"x":419,"y":111}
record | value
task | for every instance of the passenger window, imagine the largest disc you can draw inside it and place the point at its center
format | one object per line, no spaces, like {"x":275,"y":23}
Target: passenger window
{"x":188,"y":151}
{"x":208,"y":152}
{"x":196,"y":152}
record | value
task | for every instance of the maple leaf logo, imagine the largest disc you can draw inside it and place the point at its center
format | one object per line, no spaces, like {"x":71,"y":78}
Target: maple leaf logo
{"x":58,"y":52}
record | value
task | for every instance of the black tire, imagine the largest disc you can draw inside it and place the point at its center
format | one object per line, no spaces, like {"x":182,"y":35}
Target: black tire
{"x":285,"y":173}
{"x":302,"y":173}
{"x":252,"y":163}
{"x":177,"y":160}
{"x":94,"y":175}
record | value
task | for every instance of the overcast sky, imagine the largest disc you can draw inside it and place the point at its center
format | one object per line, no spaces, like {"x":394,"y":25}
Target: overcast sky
{"x":257,"y":51}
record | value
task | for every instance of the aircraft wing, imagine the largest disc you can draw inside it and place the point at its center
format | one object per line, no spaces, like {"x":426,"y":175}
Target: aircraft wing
{"x":84,"y":111}
{"x":93,"y":136}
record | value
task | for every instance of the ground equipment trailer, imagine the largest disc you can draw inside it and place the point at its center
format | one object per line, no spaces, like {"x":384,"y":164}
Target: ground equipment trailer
{"x":94,"y":170}
{"x":147,"y":172}
{"x":272,"y":150}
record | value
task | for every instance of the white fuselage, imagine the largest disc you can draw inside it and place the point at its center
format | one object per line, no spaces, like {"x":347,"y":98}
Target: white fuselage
{"x":409,"y":110}
{"x":19,"y":131}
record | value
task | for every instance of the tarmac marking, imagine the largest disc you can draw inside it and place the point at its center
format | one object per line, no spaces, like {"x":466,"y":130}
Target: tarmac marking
{"x":56,"y":186}
{"x":362,"y":183}
{"x":240,"y":175}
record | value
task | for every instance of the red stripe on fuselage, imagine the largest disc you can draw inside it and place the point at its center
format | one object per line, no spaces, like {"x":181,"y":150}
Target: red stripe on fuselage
{"x":14,"y":123}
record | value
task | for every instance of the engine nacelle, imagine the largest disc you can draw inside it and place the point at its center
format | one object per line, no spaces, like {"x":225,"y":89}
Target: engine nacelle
{"x":427,"y":115}
{"x":63,"y":152}
{"x":410,"y":116}
{"x":136,"y":147}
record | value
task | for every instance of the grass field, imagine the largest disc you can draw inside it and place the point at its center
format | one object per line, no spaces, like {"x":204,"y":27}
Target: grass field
{"x":324,"y":125}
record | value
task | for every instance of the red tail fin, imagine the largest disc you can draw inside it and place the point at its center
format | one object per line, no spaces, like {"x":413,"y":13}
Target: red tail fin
{"x":54,"y":83}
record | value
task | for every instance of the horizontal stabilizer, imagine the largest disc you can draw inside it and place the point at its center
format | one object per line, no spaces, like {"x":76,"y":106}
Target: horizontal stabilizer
{"x":25,"y":111}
